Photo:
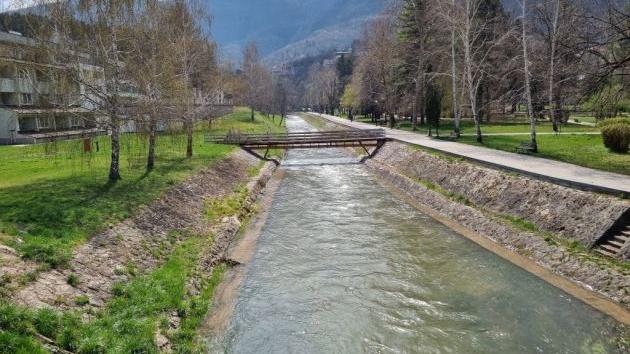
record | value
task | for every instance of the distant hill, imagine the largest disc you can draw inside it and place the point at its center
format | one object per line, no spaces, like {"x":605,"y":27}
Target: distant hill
{"x":289,"y":29}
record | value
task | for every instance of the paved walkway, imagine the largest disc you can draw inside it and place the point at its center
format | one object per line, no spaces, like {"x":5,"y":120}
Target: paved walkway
{"x":553,"y":171}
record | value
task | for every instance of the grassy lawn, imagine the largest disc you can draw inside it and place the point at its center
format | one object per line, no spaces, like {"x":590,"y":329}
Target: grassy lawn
{"x":53,"y":196}
{"x":468,"y":127}
{"x":583,"y":150}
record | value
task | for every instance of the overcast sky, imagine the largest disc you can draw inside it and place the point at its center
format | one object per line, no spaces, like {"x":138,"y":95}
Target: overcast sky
{"x":7,"y":5}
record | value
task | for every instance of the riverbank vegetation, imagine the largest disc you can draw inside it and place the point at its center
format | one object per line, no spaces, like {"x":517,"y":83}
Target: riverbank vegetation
{"x":140,"y":311}
{"x":54,"y":196}
{"x":490,"y":67}
{"x":583,"y":150}
{"x":152,"y":311}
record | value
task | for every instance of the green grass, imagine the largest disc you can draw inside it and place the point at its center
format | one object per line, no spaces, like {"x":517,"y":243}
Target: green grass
{"x":456,"y":197}
{"x":129,"y":322}
{"x":468,"y":127}
{"x":53,"y":196}
{"x":583,"y":150}
{"x":230,"y":205}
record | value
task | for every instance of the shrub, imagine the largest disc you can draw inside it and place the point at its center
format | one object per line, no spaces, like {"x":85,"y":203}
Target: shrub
{"x":617,"y":137}
{"x":15,"y":343}
{"x":612,"y":121}
{"x":82,"y":300}
{"x":72,"y":279}
{"x":47,"y":323}
{"x":50,"y":254}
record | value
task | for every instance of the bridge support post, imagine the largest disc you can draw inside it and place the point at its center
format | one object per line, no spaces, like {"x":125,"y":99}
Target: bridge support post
{"x":264,"y":158}
{"x":371,"y":155}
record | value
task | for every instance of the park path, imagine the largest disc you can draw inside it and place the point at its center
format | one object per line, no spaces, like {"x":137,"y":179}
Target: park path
{"x":554,"y":171}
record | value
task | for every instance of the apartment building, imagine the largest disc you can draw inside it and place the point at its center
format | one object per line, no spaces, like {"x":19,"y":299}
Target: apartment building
{"x":36,"y":104}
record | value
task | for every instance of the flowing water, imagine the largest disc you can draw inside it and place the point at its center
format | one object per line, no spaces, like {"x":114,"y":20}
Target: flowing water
{"x":343,"y":266}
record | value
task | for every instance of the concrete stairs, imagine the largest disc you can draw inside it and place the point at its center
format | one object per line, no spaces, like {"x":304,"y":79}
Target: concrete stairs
{"x":612,"y":246}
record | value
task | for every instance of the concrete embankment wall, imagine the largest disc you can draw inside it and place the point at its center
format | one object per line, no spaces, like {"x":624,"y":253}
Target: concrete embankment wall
{"x":572,"y":214}
{"x":476,"y":197}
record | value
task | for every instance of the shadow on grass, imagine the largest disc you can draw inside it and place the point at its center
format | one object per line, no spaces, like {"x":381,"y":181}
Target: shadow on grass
{"x":53,"y":216}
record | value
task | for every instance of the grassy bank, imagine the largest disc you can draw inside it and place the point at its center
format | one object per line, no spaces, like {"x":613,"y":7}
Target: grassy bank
{"x":468,"y":127}
{"x":53,"y":196}
{"x":582,"y":150}
{"x":129,"y":322}
{"x":150,"y":309}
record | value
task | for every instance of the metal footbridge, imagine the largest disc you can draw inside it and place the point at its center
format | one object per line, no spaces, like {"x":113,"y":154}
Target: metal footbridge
{"x":366,"y":139}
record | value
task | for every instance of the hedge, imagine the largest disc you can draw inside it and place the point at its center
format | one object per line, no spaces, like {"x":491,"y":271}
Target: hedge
{"x":617,"y":137}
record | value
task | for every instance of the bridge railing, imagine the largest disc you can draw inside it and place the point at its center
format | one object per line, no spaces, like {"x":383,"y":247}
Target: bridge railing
{"x":237,"y":138}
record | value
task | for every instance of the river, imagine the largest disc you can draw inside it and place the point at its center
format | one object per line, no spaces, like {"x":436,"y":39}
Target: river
{"x":343,"y":266}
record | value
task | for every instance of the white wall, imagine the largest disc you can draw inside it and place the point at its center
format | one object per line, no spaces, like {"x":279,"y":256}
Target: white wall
{"x":8,"y":122}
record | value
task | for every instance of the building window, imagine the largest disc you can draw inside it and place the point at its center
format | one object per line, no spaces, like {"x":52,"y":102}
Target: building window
{"x":75,"y":122}
{"x":27,"y":99}
{"x":43,"y":123}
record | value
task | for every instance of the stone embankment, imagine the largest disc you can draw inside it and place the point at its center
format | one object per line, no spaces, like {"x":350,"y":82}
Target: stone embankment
{"x":144,"y":241}
{"x":492,"y":203}
{"x":573,"y":214}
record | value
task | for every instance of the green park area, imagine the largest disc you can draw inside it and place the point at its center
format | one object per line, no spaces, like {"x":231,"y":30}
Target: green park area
{"x":578,"y":144}
{"x":54,"y":196}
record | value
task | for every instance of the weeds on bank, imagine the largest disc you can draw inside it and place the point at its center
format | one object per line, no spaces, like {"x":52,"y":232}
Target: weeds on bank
{"x":315,"y":121}
{"x":456,"y":197}
{"x":574,"y":247}
{"x":129,"y":322}
{"x":232,"y":204}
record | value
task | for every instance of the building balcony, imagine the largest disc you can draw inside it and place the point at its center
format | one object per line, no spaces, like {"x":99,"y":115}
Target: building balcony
{"x":23,"y":86}
{"x":7,"y":85}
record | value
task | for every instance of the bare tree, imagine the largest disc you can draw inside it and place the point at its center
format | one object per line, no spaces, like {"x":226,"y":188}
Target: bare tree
{"x":193,"y":53}
{"x":254,"y":77}
{"x":454,"y":92}
{"x":378,"y":67}
{"x":527,"y":76}
{"x":152,"y":69}
{"x":94,"y":52}
{"x":471,"y":25}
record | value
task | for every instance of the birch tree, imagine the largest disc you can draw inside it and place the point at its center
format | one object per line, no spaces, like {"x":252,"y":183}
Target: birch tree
{"x":191,"y":50}
{"x":471,"y":26}
{"x":454,"y":91}
{"x":94,"y":52}
{"x":527,"y":76}
{"x":152,"y":69}
{"x":552,"y":36}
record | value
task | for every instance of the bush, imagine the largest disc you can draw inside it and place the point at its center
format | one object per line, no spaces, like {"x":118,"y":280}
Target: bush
{"x":611,"y":121}
{"x":50,"y":254}
{"x":82,"y":300}
{"x":48,"y":323}
{"x":72,"y":280}
{"x":617,"y":137}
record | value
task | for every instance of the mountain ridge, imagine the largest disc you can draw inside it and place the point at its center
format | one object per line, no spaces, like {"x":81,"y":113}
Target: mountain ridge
{"x":281,"y":27}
